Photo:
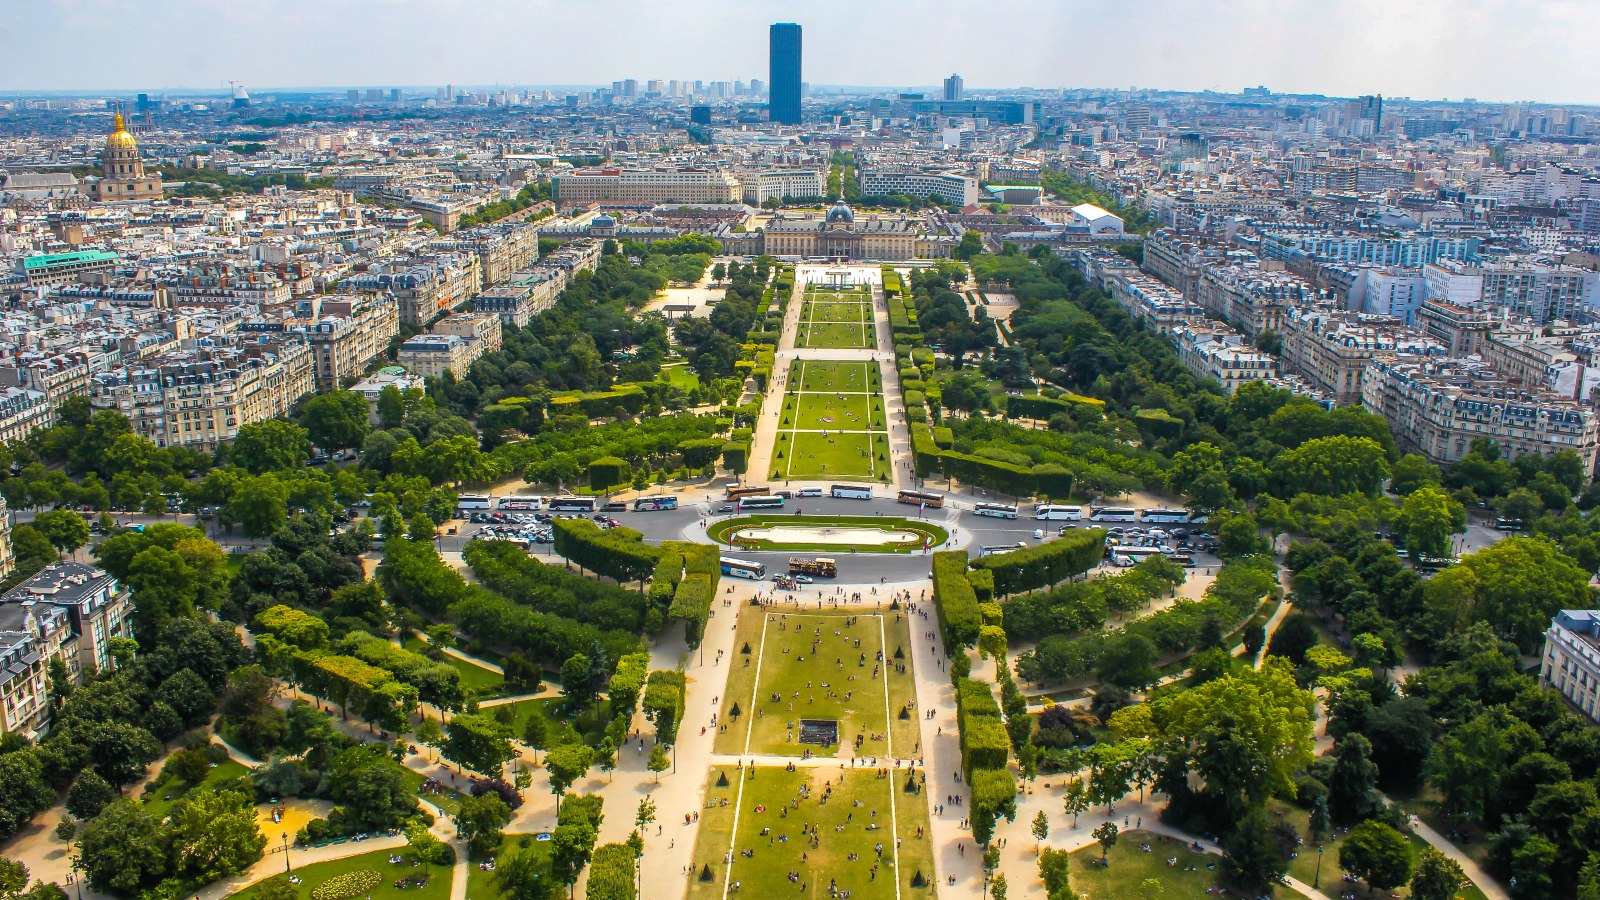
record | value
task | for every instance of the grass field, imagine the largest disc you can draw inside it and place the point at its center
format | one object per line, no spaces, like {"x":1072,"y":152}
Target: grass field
{"x":1129,"y":866}
{"x":480,"y":882}
{"x":851,"y":310}
{"x":561,"y":726}
{"x":842,"y":805}
{"x":836,"y":336}
{"x":848,"y":456}
{"x":720,"y":530}
{"x":817,"y":653}
{"x":833,"y":412}
{"x":438,"y":887}
{"x":486,"y":683}
{"x":1304,"y":866}
{"x":160,"y":802}
{"x":835,"y":377}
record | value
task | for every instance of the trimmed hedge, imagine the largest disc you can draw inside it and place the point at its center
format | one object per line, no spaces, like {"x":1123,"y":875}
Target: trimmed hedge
{"x":627,"y":682}
{"x":611,"y":873}
{"x":617,"y":553}
{"x":954,"y":600}
{"x":664,"y":581}
{"x":1045,"y":564}
{"x":691,"y":602}
{"x":664,"y":703}
{"x":943,"y":437}
{"x":607,"y":472}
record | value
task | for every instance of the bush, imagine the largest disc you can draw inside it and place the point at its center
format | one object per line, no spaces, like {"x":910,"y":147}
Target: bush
{"x":1045,"y":564}
{"x":954,"y":600}
{"x":346,"y":885}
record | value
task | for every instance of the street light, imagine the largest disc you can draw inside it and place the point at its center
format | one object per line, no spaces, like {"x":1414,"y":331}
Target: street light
{"x":77,"y":879}
{"x":1317,"y":882}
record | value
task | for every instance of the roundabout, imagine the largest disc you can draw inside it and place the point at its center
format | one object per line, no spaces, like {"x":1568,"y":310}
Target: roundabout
{"x":862,"y":534}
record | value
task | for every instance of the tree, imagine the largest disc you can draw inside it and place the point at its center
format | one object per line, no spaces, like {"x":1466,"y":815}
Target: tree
{"x":536,"y":735}
{"x":998,"y":887}
{"x":658,"y":761}
{"x":422,"y":847}
{"x":1377,"y":854}
{"x":481,"y":821}
{"x":14,"y":884}
{"x":213,"y":834}
{"x":971,"y":245}
{"x":1427,"y":520}
{"x":337,"y":420}
{"x":89,"y":794}
{"x":23,"y":790}
{"x":478,"y":742}
{"x":270,"y":446}
{"x":1106,"y":835}
{"x":575,"y":684}
{"x":566,"y":764}
{"x":64,"y":529}
{"x":1351,"y":782}
{"x":122,"y":849}
{"x":1250,"y":852}
{"x":1077,"y":799}
{"x":521,"y":875}
{"x":189,"y":696}
{"x":120,"y":751}
{"x":1438,"y":877}
{"x":1128,"y":661}
{"x":189,"y":767}
{"x":1041,"y":829}
{"x":259,"y":505}
{"x":164,"y":588}
{"x":1516,"y":585}
{"x":1334,"y":465}
{"x":1411,"y":472}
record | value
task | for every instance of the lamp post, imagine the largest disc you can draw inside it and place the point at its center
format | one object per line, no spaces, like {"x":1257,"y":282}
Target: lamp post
{"x":1317,"y":882}
{"x":286,"y":870}
{"x":77,"y":877}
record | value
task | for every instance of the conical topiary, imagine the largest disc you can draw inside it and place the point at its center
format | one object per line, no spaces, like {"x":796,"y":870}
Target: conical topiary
{"x":706,"y":876}
{"x":722,"y":779}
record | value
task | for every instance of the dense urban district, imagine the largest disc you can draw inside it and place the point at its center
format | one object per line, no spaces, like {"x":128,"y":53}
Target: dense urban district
{"x":459,"y":494}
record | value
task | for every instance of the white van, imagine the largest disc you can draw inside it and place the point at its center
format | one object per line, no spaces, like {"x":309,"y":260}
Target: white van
{"x":809,"y":492}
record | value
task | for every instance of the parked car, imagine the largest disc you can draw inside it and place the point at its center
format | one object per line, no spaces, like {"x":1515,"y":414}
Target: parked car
{"x":724,"y":509}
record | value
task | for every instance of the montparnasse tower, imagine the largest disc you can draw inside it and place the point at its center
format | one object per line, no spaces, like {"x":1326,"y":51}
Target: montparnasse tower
{"x":122,"y":169}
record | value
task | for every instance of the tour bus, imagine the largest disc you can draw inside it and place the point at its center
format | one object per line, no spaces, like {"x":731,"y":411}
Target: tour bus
{"x":1055,"y":512}
{"x":1183,"y":559}
{"x":472,"y":501}
{"x":763,"y":501}
{"x":851,"y":492}
{"x":651,"y":503}
{"x":1132,"y":556}
{"x":1164,"y":516}
{"x":1113,"y":514}
{"x":809,"y":492}
{"x":571,"y":504}
{"x":521,"y":503}
{"x":735,"y":491}
{"x":743,"y":568}
{"x":997,"y":549}
{"x":997,"y":510}
{"x":821,"y":567}
{"x":922,"y":498}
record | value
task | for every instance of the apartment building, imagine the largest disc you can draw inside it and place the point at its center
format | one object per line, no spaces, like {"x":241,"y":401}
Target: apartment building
{"x":776,"y":184}
{"x":432,"y":355}
{"x":56,"y":375}
{"x":1160,"y":307}
{"x":69,"y":611}
{"x":1330,"y":347}
{"x":950,"y":187}
{"x":1253,"y":299}
{"x":427,"y":287}
{"x":202,"y":398}
{"x":483,"y":329}
{"x":1215,"y":351}
{"x":22,"y":412}
{"x":646,"y":187}
{"x":501,"y":249}
{"x":1462,"y":330}
{"x":1516,"y":289}
{"x":1438,"y":406}
{"x":1570,"y":662}
{"x":1180,"y":260}
{"x":348,"y":335}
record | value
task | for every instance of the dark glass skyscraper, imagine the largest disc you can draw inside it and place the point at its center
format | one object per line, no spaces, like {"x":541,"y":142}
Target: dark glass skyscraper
{"x":783,"y":105}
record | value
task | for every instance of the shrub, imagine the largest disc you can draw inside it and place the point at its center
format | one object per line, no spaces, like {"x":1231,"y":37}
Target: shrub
{"x":346,"y":885}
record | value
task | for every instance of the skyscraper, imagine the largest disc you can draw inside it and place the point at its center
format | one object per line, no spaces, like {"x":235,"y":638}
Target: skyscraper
{"x":952,"y":87}
{"x":783,"y":104}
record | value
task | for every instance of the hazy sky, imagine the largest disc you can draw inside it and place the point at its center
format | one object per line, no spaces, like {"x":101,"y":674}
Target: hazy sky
{"x":1489,"y":49}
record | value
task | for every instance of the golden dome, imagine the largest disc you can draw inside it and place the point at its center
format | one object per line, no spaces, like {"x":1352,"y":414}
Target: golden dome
{"x":119,"y":138}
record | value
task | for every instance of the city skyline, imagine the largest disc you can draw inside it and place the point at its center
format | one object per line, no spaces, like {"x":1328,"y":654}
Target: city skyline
{"x":1490,"y":50}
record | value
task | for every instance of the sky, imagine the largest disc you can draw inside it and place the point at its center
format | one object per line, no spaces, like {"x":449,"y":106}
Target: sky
{"x":1496,"y":50}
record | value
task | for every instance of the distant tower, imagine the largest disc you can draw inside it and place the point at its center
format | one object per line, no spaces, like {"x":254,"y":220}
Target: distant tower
{"x":783,"y":105}
{"x":241,"y":97}
{"x":953,"y":87}
{"x":122,"y":169}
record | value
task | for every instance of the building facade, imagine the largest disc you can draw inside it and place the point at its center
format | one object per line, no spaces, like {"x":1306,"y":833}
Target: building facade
{"x":122,"y":169}
{"x":783,"y":74}
{"x":69,"y":612}
{"x":1570,"y":662}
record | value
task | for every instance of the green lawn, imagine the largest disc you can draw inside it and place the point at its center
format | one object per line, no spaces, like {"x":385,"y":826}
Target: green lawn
{"x":159,"y":800}
{"x":680,"y":376}
{"x":562,"y":727}
{"x":1304,"y":866}
{"x":834,"y":377}
{"x":438,"y":887}
{"x":836,"y":336}
{"x":720,"y":531}
{"x":480,"y":882}
{"x":818,"y":653}
{"x":823,"y":310}
{"x":833,"y":412}
{"x":445,"y":800}
{"x":486,"y":683}
{"x":851,"y":455}
{"x":1128,"y":865}
{"x":852,"y":811}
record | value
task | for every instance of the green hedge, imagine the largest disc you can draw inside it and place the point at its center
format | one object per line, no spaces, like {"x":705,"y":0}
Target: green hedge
{"x":617,"y":553}
{"x":1042,"y":565}
{"x":664,"y":703}
{"x":736,"y":456}
{"x":627,"y":398}
{"x":611,"y":873}
{"x":943,"y":437}
{"x":664,"y":580}
{"x":607,"y":472}
{"x":692,"y":603}
{"x":627,"y":682}
{"x":954,"y":600}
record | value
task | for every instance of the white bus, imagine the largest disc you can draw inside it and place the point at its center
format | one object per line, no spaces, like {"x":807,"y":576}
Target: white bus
{"x":521,"y":503}
{"x":1164,"y":516}
{"x":472,"y":501}
{"x":996,"y":510}
{"x":997,"y":549}
{"x":1057,"y":513}
{"x":850,"y":492}
{"x":650,"y":503}
{"x":1124,"y":557}
{"x":571,"y":504}
{"x":1113,"y":514}
{"x":743,"y":568}
{"x":764,"y":501}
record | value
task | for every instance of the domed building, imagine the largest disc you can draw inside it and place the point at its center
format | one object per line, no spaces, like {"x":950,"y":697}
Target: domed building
{"x":838,"y":234}
{"x":122,"y":169}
